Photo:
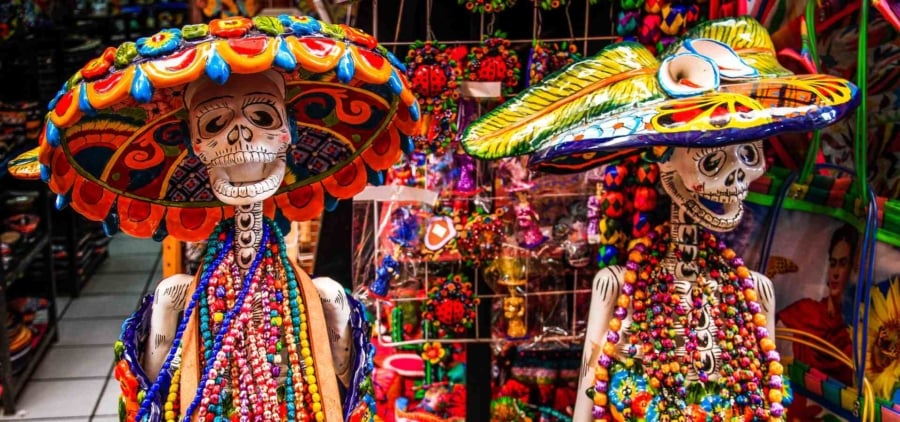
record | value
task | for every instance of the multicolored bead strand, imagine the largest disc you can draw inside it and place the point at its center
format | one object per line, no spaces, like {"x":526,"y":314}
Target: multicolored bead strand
{"x":214,"y":256}
{"x":217,"y":353}
{"x":744,"y":384}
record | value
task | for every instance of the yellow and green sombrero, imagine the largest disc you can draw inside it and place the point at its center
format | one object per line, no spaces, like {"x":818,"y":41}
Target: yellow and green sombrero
{"x":621,"y":101}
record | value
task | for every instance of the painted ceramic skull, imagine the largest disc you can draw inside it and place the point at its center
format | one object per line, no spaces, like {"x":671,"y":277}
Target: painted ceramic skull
{"x":240,"y":132}
{"x":710,"y":183}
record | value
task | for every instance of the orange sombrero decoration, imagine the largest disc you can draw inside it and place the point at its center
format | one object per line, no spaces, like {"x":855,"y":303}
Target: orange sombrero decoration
{"x":115,"y":143}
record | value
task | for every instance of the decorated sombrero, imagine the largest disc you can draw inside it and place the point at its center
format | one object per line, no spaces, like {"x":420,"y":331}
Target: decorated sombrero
{"x":115,"y":144}
{"x":719,"y":84}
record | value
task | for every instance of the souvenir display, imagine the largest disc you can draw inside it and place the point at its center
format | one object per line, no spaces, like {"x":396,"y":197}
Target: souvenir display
{"x":250,"y":118}
{"x":685,"y":212}
{"x":679,"y":282}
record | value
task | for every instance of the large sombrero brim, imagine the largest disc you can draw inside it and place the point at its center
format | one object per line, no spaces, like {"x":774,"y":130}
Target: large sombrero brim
{"x":115,"y":144}
{"x":611,"y":106}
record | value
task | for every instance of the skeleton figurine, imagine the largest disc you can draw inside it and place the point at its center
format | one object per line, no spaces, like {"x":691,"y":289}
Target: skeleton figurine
{"x":706,"y":186}
{"x":240,"y":132}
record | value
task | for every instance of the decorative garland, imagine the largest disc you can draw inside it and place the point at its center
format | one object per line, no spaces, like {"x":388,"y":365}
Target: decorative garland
{"x":494,"y":61}
{"x":487,"y":6}
{"x":450,"y":308}
{"x":433,"y":75}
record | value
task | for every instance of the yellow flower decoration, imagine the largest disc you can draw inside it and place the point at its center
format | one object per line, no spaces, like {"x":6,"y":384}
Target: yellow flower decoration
{"x":883,"y":360}
{"x":433,"y":353}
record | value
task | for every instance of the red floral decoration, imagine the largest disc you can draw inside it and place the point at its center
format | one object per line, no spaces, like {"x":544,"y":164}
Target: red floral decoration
{"x":434,"y":77}
{"x":450,"y":308}
{"x":487,"y":6}
{"x":230,"y":27}
{"x":100,"y":66}
{"x":480,"y":236}
{"x":494,"y":61}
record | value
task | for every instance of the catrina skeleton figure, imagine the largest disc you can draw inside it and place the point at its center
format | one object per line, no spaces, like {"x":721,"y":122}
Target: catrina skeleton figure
{"x":683,"y":330}
{"x":226,"y":132}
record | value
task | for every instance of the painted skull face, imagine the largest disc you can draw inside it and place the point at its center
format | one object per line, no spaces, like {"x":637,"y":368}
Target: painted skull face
{"x":240,"y":132}
{"x":710,"y":183}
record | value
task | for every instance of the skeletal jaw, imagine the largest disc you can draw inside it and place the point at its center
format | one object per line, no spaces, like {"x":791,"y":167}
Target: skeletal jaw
{"x":247,"y":182}
{"x":718,"y":211}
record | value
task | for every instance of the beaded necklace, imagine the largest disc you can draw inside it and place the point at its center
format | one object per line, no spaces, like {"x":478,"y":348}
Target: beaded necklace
{"x":744,"y":383}
{"x":220,"y":245}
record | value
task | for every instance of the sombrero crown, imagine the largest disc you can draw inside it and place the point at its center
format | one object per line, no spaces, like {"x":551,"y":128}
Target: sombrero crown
{"x":623,"y":100}
{"x":115,"y":144}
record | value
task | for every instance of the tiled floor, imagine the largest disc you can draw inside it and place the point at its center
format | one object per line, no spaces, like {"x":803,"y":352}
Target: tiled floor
{"x":74,"y":381}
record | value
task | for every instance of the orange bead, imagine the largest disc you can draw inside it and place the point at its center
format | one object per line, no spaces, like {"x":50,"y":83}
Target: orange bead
{"x":759,"y":319}
{"x":615,"y":324}
{"x":743,"y":272}
{"x":729,"y":254}
{"x":636,"y":257}
{"x":654,"y":383}
{"x":600,"y":399}
{"x":623,"y":301}
{"x":767,"y":345}
{"x":750,"y":295}
{"x":601,"y":373}
{"x":609,"y":349}
{"x":675,"y":367}
{"x":630,"y":277}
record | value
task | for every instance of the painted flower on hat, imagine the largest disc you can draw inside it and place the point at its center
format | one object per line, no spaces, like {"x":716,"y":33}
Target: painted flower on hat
{"x":99,"y":66}
{"x":230,"y":27}
{"x":163,"y":42}
{"x":301,"y":25}
{"x":191,"y":32}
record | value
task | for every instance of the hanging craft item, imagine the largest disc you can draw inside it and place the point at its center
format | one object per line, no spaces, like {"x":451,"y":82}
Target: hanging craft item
{"x":510,"y":272}
{"x":546,"y":58}
{"x":487,"y":6}
{"x":450,"y":308}
{"x":480,"y":236}
{"x":434,"y":76}
{"x":494,"y":61}
{"x":228,"y":131}
{"x":686,"y":119}
{"x":555,"y":4}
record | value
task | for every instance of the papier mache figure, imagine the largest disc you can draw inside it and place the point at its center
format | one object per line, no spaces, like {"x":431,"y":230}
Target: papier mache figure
{"x":227,"y":132}
{"x":683,"y":330}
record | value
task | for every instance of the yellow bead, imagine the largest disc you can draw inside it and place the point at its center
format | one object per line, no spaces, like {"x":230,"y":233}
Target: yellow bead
{"x":311,"y":379}
{"x":310,"y":371}
{"x":303,"y":335}
{"x":317,"y":407}
{"x":305,"y":352}
{"x":775,"y":368}
{"x":316,"y":398}
{"x":218,"y":317}
{"x":308,"y":360}
{"x":170,"y":414}
{"x":313,"y":389}
{"x":320,"y":416}
{"x":775,"y":396}
{"x":168,"y":406}
{"x":303,"y":327}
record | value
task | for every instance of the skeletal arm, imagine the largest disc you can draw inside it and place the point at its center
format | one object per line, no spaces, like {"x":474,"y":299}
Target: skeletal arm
{"x":169,"y":301}
{"x":765,"y":293}
{"x":337,"y":319}
{"x":604,"y":293}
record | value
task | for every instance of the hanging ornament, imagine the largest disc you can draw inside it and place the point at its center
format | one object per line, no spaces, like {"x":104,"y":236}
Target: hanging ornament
{"x":549,"y":4}
{"x":487,"y":6}
{"x":480,"y":236}
{"x":494,"y":61}
{"x":433,"y":75}
{"x":450,"y":308}
{"x":548,"y":58}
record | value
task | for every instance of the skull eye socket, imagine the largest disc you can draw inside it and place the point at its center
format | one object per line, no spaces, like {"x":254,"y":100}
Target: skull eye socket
{"x":213,"y":121}
{"x":711,"y":163}
{"x":263,"y":115}
{"x":748,"y":154}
